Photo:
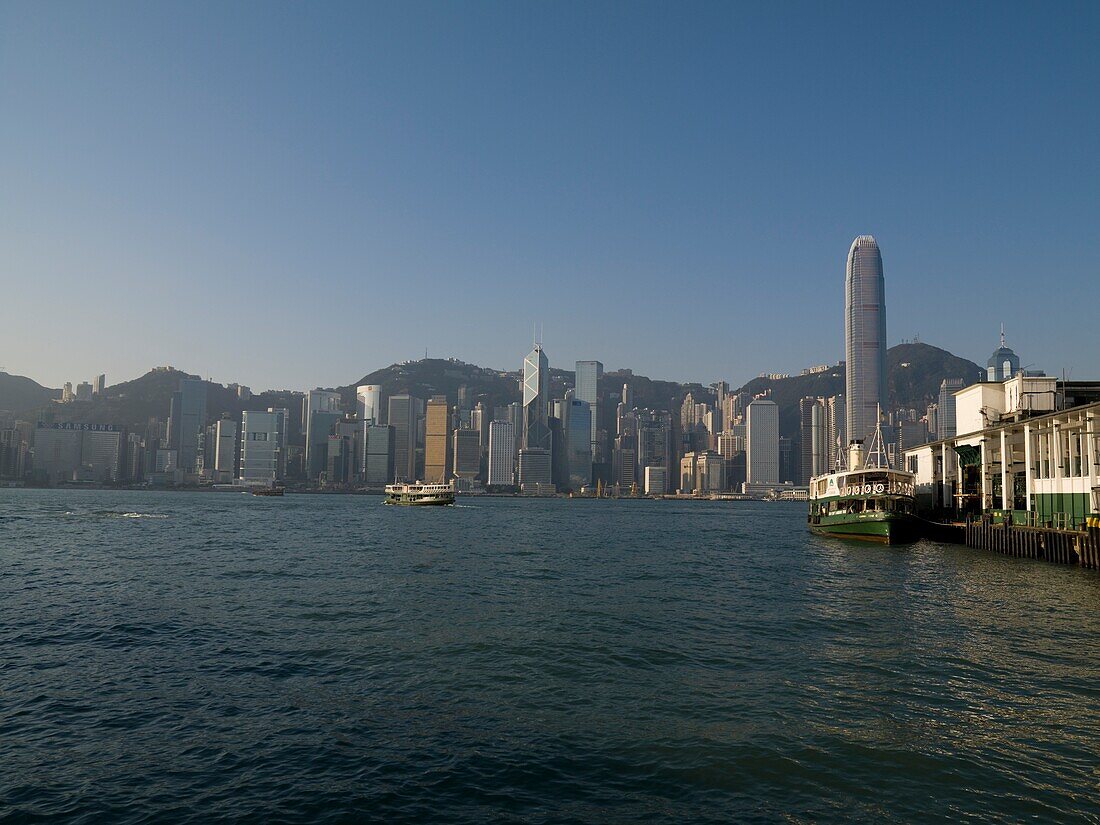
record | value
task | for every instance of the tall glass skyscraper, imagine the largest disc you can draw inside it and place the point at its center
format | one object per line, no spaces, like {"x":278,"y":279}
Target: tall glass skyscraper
{"x":402,"y":417}
{"x":587,"y":381}
{"x":864,"y":338}
{"x":536,"y":397}
{"x":579,"y":441}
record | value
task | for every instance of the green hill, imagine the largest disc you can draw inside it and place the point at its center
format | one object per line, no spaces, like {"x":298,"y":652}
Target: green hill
{"x":20,"y":395}
{"x":915,"y":372}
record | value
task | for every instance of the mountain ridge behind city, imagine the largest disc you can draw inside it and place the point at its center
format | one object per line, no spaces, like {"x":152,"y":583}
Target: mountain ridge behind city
{"x":915,"y":371}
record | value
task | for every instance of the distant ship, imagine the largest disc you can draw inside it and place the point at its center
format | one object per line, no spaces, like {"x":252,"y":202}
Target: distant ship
{"x":267,"y":491}
{"x":867,"y":500}
{"x":420,"y":494}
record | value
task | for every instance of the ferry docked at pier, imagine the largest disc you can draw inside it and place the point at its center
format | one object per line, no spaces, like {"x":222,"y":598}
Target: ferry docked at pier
{"x":867,"y":500}
{"x":420,"y":494}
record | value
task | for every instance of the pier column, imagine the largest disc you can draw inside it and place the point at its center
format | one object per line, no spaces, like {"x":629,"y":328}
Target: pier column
{"x":985,"y":476}
{"x":1029,"y":474}
{"x":943,"y":476}
{"x":1056,"y":455}
{"x":1090,"y":456}
{"x":1006,"y":499}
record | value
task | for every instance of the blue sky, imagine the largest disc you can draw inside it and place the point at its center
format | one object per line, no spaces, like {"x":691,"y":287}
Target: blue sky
{"x":292,"y":195}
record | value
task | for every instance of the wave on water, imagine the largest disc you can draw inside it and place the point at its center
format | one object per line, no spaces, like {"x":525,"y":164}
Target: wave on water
{"x":141,"y":515}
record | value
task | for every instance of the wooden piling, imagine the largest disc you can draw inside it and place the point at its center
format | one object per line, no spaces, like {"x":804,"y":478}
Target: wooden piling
{"x":1077,"y":547}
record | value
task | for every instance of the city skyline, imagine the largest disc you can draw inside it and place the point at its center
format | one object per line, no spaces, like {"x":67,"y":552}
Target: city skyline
{"x":682,"y":160}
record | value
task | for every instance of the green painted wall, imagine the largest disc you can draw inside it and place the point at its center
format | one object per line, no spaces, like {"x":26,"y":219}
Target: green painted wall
{"x":1075,"y":505}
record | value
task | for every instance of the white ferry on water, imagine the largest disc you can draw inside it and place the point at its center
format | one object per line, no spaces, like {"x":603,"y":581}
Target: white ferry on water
{"x":420,"y":494}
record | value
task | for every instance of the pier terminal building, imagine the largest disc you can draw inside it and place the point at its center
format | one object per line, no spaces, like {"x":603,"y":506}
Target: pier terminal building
{"x":1026,"y":450}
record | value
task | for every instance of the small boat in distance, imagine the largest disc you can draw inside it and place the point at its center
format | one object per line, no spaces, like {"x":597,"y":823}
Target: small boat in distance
{"x":420,"y":494}
{"x":867,"y":500}
{"x":268,"y":491}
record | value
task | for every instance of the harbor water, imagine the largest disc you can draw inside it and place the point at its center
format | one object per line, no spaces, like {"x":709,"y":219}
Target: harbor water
{"x":193,"y":657}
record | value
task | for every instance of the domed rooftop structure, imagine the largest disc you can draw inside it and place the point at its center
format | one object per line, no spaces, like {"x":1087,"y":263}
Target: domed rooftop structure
{"x":1003,"y":363}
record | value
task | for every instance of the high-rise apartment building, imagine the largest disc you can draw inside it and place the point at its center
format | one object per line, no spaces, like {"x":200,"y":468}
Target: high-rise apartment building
{"x":437,"y":440}
{"x":864,"y":338}
{"x":762,"y":442}
{"x":809,"y":423}
{"x":502,"y":455}
{"x":465,"y":398}
{"x":263,"y":446}
{"x":822,"y":435}
{"x":99,"y":383}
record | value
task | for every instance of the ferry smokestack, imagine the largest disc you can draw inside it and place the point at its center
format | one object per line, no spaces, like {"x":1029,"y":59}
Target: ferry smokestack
{"x":855,"y":455}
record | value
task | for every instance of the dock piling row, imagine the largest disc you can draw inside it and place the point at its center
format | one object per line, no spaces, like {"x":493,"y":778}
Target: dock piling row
{"x":1079,"y":547}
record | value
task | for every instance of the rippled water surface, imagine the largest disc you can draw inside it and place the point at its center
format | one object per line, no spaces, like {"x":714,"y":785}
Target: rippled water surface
{"x":190,"y":657}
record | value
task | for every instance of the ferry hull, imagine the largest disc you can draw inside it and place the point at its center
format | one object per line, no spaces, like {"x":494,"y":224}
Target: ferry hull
{"x":882,"y":528}
{"x":424,"y":502}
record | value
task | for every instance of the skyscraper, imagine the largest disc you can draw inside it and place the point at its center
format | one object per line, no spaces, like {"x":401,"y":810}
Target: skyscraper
{"x":186,"y":419}
{"x":322,"y":411}
{"x":945,"y":414}
{"x":762,"y":442}
{"x":502,"y":459}
{"x":579,"y":442}
{"x":536,"y":397}
{"x":402,"y":417}
{"x":225,"y":451}
{"x":864,"y":337}
{"x":263,"y":446}
{"x":1003,"y":363}
{"x":368,"y":401}
{"x":100,"y":381}
{"x":377,"y":454}
{"x":467,"y":454}
{"x":654,"y":440}
{"x":587,"y":383}
{"x":437,"y":440}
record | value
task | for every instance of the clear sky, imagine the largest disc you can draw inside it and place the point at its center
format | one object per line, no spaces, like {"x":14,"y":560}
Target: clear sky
{"x":294,"y":194}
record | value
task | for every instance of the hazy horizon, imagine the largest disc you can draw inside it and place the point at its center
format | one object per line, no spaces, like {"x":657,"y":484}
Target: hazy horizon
{"x":287,"y":195}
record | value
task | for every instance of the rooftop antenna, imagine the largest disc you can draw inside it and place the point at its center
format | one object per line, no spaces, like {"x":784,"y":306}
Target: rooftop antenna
{"x":1002,"y":334}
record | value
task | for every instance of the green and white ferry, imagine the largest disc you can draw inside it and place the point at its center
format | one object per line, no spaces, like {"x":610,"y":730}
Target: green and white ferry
{"x":419,"y":494}
{"x":867,"y":500}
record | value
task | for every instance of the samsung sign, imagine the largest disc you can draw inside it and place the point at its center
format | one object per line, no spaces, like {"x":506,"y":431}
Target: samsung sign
{"x":72,"y":425}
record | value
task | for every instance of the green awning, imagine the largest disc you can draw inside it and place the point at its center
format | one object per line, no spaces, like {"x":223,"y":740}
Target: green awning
{"x":969,"y":455}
